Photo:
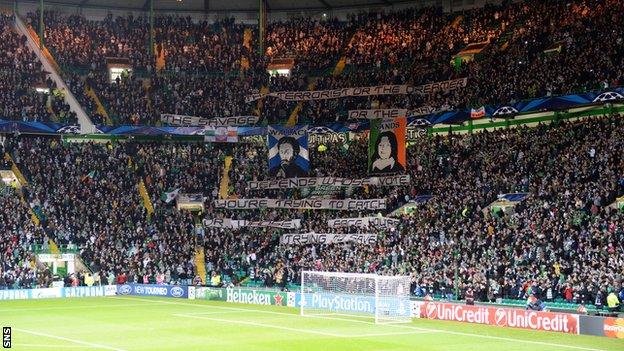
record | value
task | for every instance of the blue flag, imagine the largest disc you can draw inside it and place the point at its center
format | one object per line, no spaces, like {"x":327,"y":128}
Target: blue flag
{"x":288,"y":151}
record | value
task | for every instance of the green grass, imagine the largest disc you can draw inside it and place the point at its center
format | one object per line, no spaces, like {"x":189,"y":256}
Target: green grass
{"x":141,"y":323}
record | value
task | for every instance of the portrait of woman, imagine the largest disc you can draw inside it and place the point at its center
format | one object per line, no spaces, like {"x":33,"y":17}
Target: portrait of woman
{"x":385,"y":158}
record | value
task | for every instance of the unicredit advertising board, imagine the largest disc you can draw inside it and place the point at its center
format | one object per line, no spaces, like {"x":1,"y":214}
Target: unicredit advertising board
{"x":153,"y":290}
{"x":500,"y":316}
{"x":614,"y":327}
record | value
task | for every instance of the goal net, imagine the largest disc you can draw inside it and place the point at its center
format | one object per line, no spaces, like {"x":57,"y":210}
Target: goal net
{"x":384,"y":298}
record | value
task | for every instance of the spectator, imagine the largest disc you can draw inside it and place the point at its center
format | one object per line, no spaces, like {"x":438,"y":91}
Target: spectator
{"x":613,"y":303}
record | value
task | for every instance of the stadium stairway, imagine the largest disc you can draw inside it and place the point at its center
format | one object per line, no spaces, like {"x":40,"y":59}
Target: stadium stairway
{"x":53,"y":247}
{"x":147,"y":203}
{"x":33,"y":215}
{"x":99,"y":107}
{"x":54,"y":72}
{"x":340,"y":66}
{"x":23,"y":182}
{"x":260,"y":103}
{"x":200,"y":264}
{"x":247,"y":44}
{"x":18,"y":174}
{"x":457,"y":21}
{"x":247,"y":36}
{"x":161,"y":60}
{"x":51,"y":112}
{"x":294,"y":115}
{"x":225,"y":178}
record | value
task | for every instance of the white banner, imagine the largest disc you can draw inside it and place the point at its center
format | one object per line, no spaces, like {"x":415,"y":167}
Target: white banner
{"x":364,"y":222}
{"x":308,"y":95}
{"x":312,"y":204}
{"x":239,"y":223}
{"x":447,"y":85}
{"x":312,"y":238}
{"x":378,"y":113}
{"x":322,"y":181}
{"x":192,"y":121}
{"x":390,"y":113}
{"x":56,"y":257}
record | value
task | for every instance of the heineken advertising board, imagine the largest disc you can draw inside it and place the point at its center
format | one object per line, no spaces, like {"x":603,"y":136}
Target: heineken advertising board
{"x":247,"y":296}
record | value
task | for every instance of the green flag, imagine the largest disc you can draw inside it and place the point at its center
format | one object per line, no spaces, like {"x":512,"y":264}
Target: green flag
{"x":345,"y":146}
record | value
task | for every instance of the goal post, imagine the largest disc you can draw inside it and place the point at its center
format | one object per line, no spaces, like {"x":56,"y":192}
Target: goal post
{"x":384,"y":298}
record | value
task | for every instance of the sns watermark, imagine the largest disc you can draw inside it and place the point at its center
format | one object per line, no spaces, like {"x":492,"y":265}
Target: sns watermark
{"x":6,"y":337}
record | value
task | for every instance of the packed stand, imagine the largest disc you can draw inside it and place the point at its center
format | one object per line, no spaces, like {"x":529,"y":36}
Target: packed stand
{"x":20,"y":74}
{"x":87,"y":196}
{"x":79,"y":43}
{"x":416,"y":47}
{"x":200,"y":47}
{"x":18,"y":238}
{"x":313,"y":44}
{"x":563,"y":237}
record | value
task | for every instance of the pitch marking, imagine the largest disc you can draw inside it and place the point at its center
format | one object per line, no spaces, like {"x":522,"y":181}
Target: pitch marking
{"x":305,"y":331}
{"x":392,"y":325}
{"x":76,"y":341}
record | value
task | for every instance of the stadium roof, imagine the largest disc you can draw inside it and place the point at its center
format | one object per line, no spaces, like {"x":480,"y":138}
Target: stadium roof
{"x":225,"y":5}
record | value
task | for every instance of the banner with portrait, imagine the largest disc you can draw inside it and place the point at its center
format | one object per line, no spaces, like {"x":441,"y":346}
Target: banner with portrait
{"x":288,"y":151}
{"x":386,"y":146}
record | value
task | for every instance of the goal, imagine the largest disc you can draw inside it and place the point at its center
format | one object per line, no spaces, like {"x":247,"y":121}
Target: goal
{"x":384,"y":298}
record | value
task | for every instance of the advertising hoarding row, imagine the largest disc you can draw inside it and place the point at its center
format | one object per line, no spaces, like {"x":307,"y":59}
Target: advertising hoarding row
{"x":569,"y":323}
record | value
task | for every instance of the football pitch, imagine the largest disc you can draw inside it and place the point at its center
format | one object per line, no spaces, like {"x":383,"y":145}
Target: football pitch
{"x":146,"y":323}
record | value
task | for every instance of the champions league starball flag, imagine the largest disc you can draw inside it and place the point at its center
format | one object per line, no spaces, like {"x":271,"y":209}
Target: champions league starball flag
{"x":386,"y":146}
{"x":288,"y":151}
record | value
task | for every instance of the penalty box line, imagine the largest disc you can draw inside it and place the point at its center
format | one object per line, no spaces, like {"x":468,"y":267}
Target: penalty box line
{"x":80,"y":307}
{"x":305,"y":331}
{"x":48,"y":346}
{"x":483,"y":336}
{"x":75,"y":341}
{"x":207,"y":313}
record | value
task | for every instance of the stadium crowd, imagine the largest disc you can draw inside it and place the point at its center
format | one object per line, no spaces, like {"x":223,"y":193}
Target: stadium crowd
{"x":529,"y":49}
{"x":563,"y":240}
{"x":18,"y":235}
{"x":21,"y":74}
{"x":562,"y":237}
{"x":516,"y":64}
{"x":86,"y":198}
